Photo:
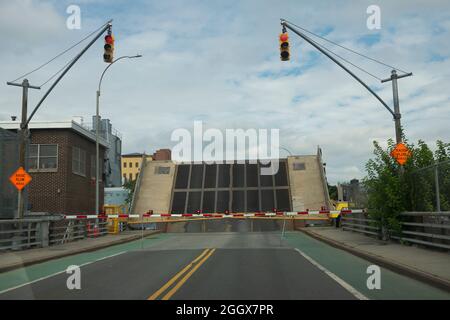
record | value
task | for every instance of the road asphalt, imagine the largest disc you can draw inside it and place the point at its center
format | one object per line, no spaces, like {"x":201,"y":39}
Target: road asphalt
{"x":214,"y":265}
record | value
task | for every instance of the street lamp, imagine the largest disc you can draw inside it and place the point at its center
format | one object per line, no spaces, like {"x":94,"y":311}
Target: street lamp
{"x":97,"y":151}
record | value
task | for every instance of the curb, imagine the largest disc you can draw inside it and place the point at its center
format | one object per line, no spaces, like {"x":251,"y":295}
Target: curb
{"x":388,"y":264}
{"x":76,"y":251}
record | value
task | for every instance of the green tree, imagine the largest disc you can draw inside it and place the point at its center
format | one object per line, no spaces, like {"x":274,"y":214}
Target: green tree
{"x":332,"y":190}
{"x":129,"y":186}
{"x":391,"y":191}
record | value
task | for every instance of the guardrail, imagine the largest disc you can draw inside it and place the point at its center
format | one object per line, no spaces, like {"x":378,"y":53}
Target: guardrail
{"x":24,"y":233}
{"x":360,"y":222}
{"x":75,"y":229}
{"x":429,"y":229}
{"x":21,"y":234}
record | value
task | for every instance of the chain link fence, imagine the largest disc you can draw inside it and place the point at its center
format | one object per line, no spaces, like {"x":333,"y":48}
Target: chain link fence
{"x":431,"y":188}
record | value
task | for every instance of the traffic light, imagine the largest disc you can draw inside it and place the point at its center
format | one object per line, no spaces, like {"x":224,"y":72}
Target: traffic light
{"x":284,"y":46}
{"x":108,"y":56}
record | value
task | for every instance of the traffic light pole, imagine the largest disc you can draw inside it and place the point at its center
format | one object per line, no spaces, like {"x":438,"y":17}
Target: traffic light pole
{"x":395,"y":114}
{"x":106,"y":27}
{"x":23,"y":134}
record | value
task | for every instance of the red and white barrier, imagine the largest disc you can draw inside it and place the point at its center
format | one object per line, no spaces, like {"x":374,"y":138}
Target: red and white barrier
{"x":213,"y":215}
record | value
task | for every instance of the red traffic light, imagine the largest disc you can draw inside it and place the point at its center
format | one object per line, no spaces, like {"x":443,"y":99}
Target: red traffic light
{"x":284,"y":37}
{"x":109,"y":39}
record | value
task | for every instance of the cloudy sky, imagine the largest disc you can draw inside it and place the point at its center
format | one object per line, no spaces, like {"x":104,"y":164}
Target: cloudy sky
{"x":218,"y":62}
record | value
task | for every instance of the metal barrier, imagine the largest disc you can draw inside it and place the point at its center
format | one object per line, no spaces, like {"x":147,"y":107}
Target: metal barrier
{"x":360,"y":222}
{"x":429,"y":229}
{"x":24,"y":233}
{"x":74,"y":229}
{"x":30,"y":233}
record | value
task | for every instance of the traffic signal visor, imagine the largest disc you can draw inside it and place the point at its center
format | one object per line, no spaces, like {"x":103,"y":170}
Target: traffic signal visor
{"x":284,"y":46}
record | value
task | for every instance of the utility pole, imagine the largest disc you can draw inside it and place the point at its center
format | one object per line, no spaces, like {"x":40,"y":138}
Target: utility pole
{"x":397,"y":114}
{"x":23,"y":135}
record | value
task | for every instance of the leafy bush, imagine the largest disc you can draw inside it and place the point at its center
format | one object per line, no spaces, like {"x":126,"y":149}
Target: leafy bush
{"x":392,"y":190}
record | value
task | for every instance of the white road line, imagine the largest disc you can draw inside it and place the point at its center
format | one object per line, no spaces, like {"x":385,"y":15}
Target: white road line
{"x":344,"y":284}
{"x":57,"y":273}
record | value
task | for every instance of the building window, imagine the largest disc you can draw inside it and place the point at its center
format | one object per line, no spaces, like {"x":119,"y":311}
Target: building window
{"x":79,"y":161}
{"x":131,"y":164}
{"x":137,"y":164}
{"x":162,"y":170}
{"x":131,"y":177}
{"x":124,"y":164}
{"x":124,"y":178}
{"x":43,"y":157}
{"x":299,"y":166}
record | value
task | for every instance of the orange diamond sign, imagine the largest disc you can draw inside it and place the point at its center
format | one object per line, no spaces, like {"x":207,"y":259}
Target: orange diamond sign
{"x":20,"y":178}
{"x":401,"y":153}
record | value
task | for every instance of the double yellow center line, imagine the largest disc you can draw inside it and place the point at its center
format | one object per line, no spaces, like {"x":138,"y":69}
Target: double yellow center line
{"x":189,"y":270}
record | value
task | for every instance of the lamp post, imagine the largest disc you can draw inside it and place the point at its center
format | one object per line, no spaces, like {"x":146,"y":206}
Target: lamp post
{"x":97,"y":151}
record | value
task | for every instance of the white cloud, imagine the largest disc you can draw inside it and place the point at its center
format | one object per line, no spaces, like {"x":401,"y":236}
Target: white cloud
{"x":203,"y":60}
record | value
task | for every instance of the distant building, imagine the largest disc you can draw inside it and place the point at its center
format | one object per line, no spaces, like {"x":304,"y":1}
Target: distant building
{"x":352,"y":192}
{"x":115,"y":196}
{"x":113,"y":155}
{"x":131,"y":165}
{"x":162,"y":155}
{"x":61,"y":162}
{"x":131,"y":162}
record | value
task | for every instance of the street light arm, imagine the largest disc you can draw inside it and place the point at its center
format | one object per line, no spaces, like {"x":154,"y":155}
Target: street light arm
{"x":286,"y":24}
{"x":104,"y":71}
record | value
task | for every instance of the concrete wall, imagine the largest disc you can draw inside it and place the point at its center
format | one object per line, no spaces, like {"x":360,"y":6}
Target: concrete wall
{"x":156,"y":189}
{"x":307,"y":189}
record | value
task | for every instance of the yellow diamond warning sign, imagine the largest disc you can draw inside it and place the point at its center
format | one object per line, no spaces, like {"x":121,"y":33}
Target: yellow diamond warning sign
{"x":401,"y":153}
{"x":20,"y":178}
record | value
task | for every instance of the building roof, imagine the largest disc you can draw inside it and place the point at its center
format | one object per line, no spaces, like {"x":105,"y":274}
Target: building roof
{"x":46,"y":125}
{"x":134,"y":154}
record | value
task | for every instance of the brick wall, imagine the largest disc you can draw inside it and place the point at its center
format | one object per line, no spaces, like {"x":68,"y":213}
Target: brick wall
{"x":64,"y":191}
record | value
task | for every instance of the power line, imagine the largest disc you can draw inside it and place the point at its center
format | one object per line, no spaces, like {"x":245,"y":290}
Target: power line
{"x":348,"y":49}
{"x":56,"y":73}
{"x":60,"y":54}
{"x":349,"y":62}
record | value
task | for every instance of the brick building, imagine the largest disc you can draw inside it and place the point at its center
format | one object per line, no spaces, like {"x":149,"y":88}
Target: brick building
{"x":61,"y":162}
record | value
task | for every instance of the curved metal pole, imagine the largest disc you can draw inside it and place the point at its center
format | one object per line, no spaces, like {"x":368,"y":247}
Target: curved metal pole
{"x":97,"y":125}
{"x":284,"y":23}
{"x":107,"y":25}
{"x":285,"y":149}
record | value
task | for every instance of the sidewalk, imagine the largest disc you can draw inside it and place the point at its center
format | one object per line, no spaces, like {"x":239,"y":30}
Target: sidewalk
{"x":426,"y":265}
{"x":17,"y":259}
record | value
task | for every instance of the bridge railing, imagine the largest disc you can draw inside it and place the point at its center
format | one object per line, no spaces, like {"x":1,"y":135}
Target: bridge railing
{"x":428,"y":229}
{"x":360,"y":222}
{"x":35,"y":232}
